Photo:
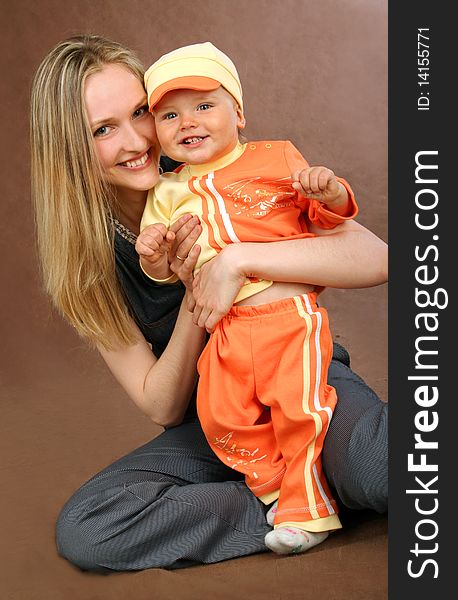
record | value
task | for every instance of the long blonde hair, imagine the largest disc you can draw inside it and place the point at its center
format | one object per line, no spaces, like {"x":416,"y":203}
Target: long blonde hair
{"x":73,"y":205}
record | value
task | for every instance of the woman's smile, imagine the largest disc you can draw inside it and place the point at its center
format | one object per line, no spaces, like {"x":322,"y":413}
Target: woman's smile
{"x":136,"y":163}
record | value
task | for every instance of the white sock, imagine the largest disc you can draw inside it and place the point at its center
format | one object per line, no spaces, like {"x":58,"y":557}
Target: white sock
{"x":270,"y":516}
{"x":291,"y":540}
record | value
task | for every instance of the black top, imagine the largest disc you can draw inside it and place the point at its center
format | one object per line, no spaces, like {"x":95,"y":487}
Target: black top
{"x":153,"y":306}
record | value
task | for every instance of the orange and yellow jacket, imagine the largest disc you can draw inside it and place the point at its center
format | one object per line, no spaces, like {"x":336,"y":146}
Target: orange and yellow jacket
{"x":245,"y":196}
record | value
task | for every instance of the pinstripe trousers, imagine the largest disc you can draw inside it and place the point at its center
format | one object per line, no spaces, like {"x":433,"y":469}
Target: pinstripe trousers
{"x":172,"y":503}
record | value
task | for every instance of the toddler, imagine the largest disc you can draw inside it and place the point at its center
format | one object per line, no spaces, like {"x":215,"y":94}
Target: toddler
{"x":263,"y":398}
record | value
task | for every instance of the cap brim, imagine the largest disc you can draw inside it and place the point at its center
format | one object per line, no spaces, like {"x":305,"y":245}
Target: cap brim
{"x":195,"y":82}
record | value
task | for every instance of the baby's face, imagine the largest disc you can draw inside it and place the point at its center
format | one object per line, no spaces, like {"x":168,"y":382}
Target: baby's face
{"x":198,"y":127}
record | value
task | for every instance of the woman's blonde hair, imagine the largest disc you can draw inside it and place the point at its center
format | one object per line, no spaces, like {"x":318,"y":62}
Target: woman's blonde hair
{"x":73,"y":205}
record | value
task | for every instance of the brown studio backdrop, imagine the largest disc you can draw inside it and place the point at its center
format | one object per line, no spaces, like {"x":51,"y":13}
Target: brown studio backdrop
{"x":315,"y":73}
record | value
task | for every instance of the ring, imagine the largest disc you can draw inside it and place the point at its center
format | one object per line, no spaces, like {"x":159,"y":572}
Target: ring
{"x":179,"y":257}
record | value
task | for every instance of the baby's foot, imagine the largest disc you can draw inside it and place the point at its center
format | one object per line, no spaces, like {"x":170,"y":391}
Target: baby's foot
{"x":270,"y":516}
{"x":290,"y":540}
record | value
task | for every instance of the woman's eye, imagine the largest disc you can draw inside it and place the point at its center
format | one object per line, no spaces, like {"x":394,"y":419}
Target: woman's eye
{"x":141,"y":111}
{"x":204,"y":106}
{"x":101,"y":131}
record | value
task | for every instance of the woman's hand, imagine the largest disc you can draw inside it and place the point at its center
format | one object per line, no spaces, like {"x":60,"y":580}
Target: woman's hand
{"x":184,"y":252}
{"x":216,"y":286}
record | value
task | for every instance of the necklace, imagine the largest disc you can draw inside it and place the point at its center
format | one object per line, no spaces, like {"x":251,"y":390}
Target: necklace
{"x":125,"y":232}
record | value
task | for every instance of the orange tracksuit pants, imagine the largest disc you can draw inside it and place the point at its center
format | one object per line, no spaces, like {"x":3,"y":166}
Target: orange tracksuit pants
{"x":274,"y":356}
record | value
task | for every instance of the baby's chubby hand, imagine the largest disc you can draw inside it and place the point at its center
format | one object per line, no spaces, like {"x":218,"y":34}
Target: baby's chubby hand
{"x":319,"y":183}
{"x":154,"y":242}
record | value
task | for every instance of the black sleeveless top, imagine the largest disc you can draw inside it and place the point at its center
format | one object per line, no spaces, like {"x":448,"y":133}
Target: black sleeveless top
{"x":154,"y":307}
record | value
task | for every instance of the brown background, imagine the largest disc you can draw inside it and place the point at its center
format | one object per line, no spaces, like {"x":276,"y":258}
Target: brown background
{"x":313,"y":72}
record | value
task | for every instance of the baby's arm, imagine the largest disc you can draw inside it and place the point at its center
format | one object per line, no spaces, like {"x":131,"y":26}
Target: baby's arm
{"x":321,"y":183}
{"x":153,"y":246}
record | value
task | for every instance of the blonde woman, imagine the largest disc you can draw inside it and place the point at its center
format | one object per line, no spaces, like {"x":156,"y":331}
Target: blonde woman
{"x":170,"y":503}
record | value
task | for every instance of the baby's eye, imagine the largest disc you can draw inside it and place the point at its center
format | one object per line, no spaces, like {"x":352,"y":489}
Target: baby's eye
{"x":170,"y":115}
{"x":140,"y":111}
{"x":204,"y":106}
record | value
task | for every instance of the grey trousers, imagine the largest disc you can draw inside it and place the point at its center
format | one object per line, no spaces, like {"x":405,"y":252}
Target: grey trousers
{"x":172,"y":503}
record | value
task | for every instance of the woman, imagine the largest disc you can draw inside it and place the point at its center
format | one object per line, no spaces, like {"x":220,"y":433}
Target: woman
{"x":170,"y":503}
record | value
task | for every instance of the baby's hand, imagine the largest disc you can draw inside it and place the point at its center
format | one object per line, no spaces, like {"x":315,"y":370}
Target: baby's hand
{"x":154,"y":242}
{"x":319,"y":183}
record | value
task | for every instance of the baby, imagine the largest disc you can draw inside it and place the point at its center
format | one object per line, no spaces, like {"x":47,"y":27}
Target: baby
{"x":263,"y":398}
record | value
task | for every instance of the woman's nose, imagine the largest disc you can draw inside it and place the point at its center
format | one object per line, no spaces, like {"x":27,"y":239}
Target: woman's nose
{"x":133,"y":138}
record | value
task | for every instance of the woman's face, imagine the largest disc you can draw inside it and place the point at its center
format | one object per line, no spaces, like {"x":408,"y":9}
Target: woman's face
{"x":123,"y":130}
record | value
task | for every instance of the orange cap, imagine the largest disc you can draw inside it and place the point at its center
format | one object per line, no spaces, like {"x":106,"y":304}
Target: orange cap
{"x":195,"y":67}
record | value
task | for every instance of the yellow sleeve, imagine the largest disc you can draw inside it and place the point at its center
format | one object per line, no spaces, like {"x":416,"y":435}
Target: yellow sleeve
{"x":157,"y":210}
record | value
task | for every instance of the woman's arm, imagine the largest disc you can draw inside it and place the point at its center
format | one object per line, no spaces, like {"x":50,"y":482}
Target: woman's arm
{"x":349,"y":256}
{"x":161,"y":388}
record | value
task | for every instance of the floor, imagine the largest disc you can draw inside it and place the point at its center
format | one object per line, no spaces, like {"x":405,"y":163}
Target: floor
{"x":64,"y":418}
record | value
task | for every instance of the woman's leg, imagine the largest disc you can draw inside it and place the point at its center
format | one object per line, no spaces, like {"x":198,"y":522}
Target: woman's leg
{"x":355,"y":456}
{"x":170,"y":503}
